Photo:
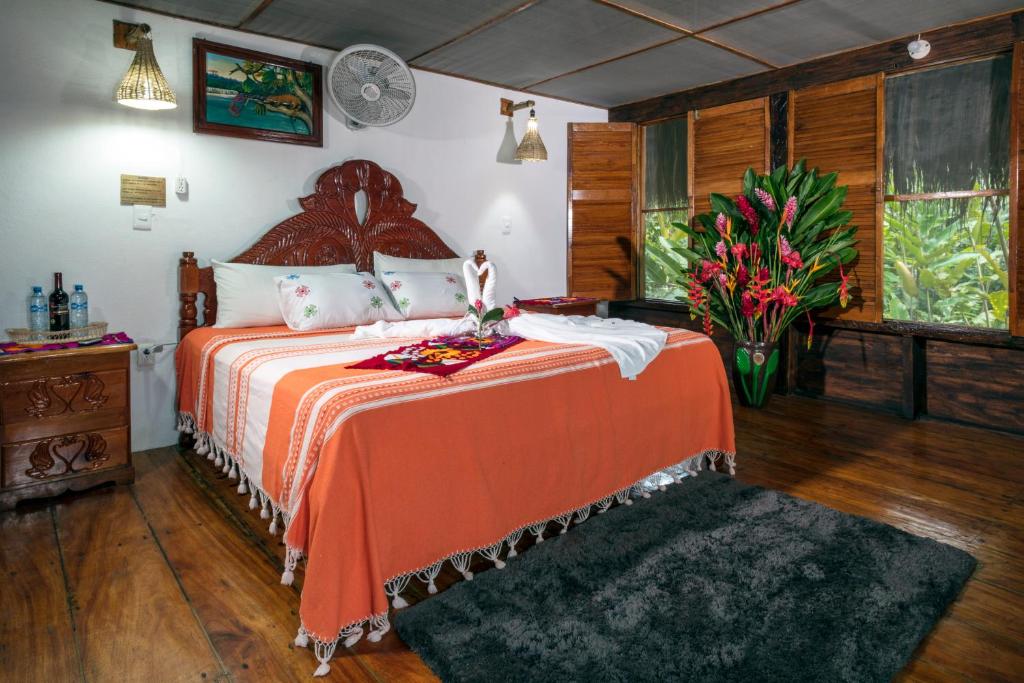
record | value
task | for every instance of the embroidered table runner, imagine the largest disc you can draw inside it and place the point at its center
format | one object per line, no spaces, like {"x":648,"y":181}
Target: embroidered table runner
{"x":440,"y":356}
{"x":108,"y":339}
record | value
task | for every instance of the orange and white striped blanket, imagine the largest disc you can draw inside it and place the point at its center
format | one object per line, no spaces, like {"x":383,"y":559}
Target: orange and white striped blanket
{"x":380,"y":476}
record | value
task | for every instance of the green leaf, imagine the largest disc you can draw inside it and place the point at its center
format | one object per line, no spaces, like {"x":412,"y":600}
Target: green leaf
{"x":493,"y":315}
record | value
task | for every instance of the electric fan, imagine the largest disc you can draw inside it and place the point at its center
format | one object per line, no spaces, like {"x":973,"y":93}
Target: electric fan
{"x":371,"y":85}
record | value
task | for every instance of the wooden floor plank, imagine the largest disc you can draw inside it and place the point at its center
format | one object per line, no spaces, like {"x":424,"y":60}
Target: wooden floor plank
{"x":133,"y":622}
{"x":37,"y":642}
{"x":236,"y":593}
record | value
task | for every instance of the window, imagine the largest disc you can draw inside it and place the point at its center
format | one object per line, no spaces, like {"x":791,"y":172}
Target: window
{"x":665,"y":201}
{"x":946,"y":227}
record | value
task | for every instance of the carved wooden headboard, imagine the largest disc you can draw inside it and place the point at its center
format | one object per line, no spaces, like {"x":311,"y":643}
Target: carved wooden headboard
{"x":327,"y":232}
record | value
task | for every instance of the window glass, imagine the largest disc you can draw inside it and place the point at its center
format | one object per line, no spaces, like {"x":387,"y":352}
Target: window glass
{"x":665,"y":202}
{"x":946,"y":227}
{"x":665,"y":165}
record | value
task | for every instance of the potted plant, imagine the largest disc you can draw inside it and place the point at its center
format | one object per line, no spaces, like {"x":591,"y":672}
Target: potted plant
{"x":755,"y":262}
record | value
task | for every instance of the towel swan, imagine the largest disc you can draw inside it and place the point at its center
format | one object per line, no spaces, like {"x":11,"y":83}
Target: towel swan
{"x":472,"y":273}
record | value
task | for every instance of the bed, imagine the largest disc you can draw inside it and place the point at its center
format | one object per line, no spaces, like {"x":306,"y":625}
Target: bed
{"x":378,"y":478}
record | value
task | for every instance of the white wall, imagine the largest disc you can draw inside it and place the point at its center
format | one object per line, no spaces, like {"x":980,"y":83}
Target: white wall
{"x":65,"y":144}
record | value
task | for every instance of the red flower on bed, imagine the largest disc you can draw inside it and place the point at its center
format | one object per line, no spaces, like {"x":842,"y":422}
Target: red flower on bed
{"x":511,"y":312}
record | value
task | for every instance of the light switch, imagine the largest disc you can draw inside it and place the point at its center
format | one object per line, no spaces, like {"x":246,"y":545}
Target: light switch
{"x":506,"y":225}
{"x":142,"y":217}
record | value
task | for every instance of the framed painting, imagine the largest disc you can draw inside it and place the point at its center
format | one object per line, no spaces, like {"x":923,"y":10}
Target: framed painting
{"x":255,"y":95}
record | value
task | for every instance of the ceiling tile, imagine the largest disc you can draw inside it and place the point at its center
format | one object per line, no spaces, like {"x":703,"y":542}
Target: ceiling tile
{"x":814,"y":28}
{"x":406,"y":28}
{"x":226,"y":12}
{"x":545,"y":40}
{"x":696,"y":14}
{"x":683,"y":64}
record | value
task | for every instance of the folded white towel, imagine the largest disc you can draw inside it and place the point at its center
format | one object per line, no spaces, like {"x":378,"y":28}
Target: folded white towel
{"x":632,"y":344}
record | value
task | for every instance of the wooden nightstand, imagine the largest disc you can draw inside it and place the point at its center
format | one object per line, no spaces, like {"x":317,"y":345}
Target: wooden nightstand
{"x":65,"y":421}
{"x":560,"y":305}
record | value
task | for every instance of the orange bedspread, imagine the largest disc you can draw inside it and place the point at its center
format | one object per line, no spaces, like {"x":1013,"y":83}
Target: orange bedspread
{"x":381,"y":475}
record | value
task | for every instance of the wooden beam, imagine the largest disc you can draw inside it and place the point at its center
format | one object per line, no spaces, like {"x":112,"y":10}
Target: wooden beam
{"x":258,"y":10}
{"x":959,"y":41}
{"x":477,"y":29}
{"x":915,"y":377}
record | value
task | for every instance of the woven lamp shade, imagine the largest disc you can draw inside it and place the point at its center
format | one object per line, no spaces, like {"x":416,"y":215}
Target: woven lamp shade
{"x":531,"y":148}
{"x":144,"y":86}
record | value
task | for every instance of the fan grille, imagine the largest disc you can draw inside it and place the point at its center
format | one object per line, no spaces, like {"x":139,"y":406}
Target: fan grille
{"x":392,"y":79}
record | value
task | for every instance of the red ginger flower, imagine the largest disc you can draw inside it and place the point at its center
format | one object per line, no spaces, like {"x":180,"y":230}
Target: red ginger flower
{"x":788,"y":212}
{"x":765,"y":198}
{"x":749,"y":213}
{"x":742,"y":276}
{"x":720,"y":248}
{"x":790,"y":256}
{"x":511,"y":312}
{"x":747,"y":305}
{"x":479,"y":305}
{"x":739,"y":250}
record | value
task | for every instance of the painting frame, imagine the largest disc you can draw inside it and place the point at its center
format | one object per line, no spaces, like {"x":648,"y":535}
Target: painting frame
{"x":295,"y":109}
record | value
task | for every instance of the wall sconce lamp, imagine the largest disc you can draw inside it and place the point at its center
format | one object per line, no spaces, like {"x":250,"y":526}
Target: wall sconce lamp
{"x":531,"y":147}
{"x":144,"y":86}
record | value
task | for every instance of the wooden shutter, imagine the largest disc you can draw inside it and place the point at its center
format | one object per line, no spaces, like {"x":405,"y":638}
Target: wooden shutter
{"x":602,"y":210}
{"x":726,"y":141}
{"x":1015,"y":270}
{"x":839,"y":127}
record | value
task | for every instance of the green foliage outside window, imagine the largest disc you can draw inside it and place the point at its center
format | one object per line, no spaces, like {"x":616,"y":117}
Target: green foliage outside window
{"x":946,"y":261}
{"x":663,"y":265}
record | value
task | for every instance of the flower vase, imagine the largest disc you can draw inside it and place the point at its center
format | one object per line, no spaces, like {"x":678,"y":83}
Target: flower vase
{"x":754,"y":370}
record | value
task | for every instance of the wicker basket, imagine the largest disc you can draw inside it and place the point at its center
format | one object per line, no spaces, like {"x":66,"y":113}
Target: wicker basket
{"x":90,"y":332}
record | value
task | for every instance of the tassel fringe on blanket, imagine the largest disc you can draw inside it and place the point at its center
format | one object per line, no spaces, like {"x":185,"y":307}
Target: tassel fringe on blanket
{"x":379,"y":624}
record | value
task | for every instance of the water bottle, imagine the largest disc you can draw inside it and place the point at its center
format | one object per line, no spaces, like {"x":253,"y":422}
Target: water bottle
{"x":38,"y":314}
{"x":79,"y":308}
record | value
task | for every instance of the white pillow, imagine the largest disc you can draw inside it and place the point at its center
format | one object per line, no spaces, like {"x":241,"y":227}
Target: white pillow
{"x":247,"y":295}
{"x":397,"y":264}
{"x":426,"y":295}
{"x":327,"y":300}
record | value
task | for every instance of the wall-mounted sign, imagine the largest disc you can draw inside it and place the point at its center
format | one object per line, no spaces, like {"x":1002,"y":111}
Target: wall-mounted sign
{"x":141,"y":189}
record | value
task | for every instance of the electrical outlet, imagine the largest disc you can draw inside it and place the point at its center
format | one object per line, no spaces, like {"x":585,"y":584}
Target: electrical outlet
{"x":147,"y":355}
{"x":181,"y":185}
{"x":506,"y":225}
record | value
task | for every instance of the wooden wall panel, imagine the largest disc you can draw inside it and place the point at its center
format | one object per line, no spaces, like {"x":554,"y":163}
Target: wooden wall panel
{"x":852,"y":366}
{"x":838,"y":127}
{"x":602,"y":195}
{"x":726,"y":141}
{"x":976,"y":384}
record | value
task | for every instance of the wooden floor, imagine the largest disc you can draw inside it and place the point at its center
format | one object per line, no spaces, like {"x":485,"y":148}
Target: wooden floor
{"x":173,"y":579}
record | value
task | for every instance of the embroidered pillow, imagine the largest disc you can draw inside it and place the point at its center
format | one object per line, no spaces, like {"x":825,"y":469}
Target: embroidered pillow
{"x":397,"y":264}
{"x":426,"y":295}
{"x":247,"y":295}
{"x":322,"y":301}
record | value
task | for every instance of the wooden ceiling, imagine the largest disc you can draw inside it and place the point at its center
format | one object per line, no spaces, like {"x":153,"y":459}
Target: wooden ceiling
{"x":600,"y":52}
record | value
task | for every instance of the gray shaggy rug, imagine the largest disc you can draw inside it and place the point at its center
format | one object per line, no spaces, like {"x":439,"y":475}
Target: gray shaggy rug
{"x":713,"y":580}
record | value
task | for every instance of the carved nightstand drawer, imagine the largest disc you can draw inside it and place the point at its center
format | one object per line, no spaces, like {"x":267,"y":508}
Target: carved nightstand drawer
{"x":58,"y":457}
{"x":65,"y":421}
{"x":44,"y":406}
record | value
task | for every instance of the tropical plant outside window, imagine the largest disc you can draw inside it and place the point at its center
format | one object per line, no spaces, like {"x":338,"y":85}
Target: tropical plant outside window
{"x":665,"y":202}
{"x":946,"y":227}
